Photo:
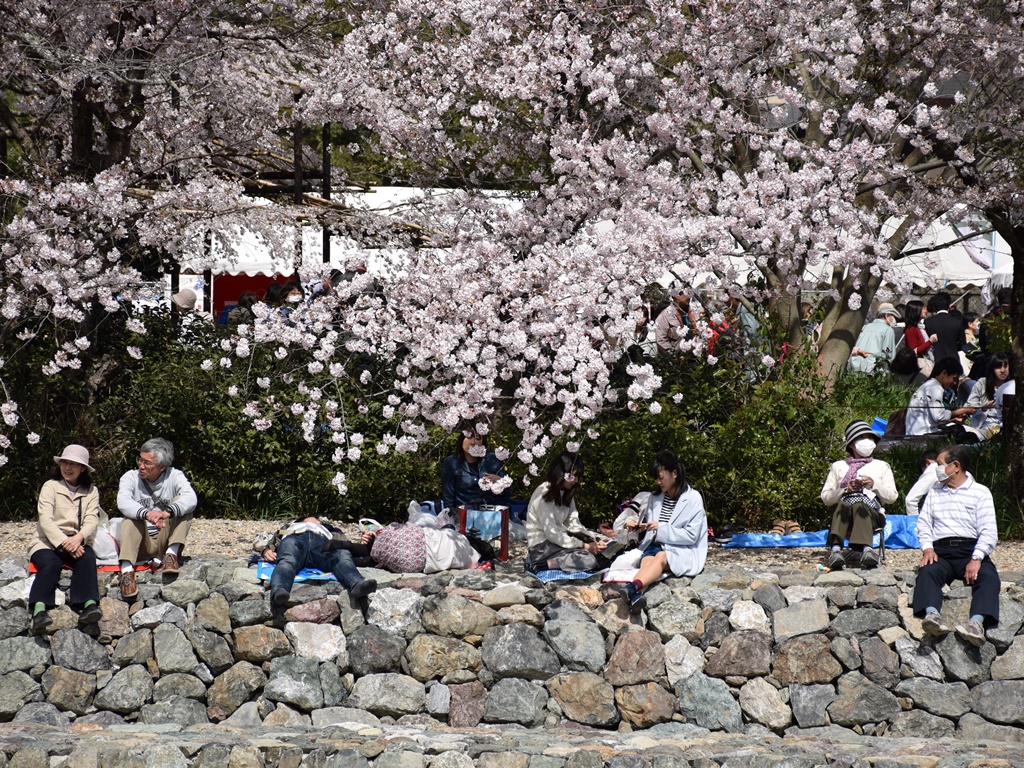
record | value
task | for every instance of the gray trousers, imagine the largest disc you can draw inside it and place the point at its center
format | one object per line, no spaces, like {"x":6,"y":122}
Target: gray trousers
{"x":568,"y":560}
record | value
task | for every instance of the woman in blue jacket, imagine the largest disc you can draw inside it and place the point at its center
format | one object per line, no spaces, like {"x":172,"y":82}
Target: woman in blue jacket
{"x":676,"y":528}
{"x":462,"y":471}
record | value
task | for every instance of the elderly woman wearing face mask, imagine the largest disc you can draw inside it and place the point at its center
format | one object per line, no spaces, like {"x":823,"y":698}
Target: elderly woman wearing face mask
{"x":858,"y":486}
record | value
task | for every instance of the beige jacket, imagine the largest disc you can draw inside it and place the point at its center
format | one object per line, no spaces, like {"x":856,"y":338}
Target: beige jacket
{"x":59,"y":515}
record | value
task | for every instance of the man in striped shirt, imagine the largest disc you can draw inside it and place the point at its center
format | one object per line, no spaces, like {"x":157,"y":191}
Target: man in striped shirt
{"x":957,"y":532}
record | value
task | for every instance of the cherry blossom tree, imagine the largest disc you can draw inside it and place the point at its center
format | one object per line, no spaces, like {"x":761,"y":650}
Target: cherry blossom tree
{"x":754,"y":149}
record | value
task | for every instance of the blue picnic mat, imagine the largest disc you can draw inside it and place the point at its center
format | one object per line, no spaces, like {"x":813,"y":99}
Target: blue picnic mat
{"x":265,"y":569}
{"x":900,"y":533}
{"x":556,"y":575}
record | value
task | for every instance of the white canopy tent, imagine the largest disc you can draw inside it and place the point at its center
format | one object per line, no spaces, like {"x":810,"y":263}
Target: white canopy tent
{"x":951,"y":262}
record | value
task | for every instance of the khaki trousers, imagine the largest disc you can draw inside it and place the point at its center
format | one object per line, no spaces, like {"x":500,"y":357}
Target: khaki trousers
{"x":136,"y":543}
{"x":858,"y":521}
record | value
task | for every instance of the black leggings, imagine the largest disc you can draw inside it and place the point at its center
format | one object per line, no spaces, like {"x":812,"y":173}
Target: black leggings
{"x":48,"y":563}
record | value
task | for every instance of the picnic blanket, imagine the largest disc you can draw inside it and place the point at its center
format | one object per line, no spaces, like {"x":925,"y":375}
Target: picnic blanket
{"x":900,"y":533}
{"x":264,"y":570}
{"x":557,"y":575}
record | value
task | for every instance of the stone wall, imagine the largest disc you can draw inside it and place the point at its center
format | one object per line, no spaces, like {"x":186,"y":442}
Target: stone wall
{"x":785,"y":652}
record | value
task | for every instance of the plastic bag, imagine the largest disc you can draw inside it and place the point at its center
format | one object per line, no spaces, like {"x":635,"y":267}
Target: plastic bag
{"x":105,"y":540}
{"x":369,"y":525}
{"x":424,"y":519}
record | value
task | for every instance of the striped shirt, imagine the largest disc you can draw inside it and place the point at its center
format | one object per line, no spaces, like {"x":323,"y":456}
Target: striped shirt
{"x":668,"y":506}
{"x":966,"y":512}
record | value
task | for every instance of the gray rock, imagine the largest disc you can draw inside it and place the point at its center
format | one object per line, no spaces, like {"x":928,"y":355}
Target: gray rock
{"x":515,"y":650}
{"x":1010,"y":666}
{"x":181,"y":591}
{"x":16,"y":688}
{"x":453,"y":615}
{"x":920,"y":658}
{"x":920,"y":725}
{"x":842,"y":597}
{"x":565,"y":610}
{"x":13,"y":621}
{"x":395,"y":756}
{"x":42,"y":713}
{"x":974,"y":729}
{"x":504,"y":596}
{"x":672,"y":618}
{"x":810,"y":703}
{"x":874,"y":596}
{"x":439,"y":699}
{"x":173,"y":651}
{"x":613,"y":617}
{"x":584,"y":698}
{"x":286,"y":717}
{"x":295,"y":680}
{"x":944,"y":699}
{"x":770,"y":597}
{"x":645,"y":705}
{"x":246,"y":716}
{"x":860,"y":701}
{"x":211,"y":648}
{"x":681,"y":659}
{"x":746,"y":654}
{"x":351,"y":613}
{"x":236,"y":591}
{"x":177,"y":709}
{"x":69,"y":689}
{"x":1000,"y":701}
{"x":580,"y":645}
{"x":23,"y":653}
{"x":864,"y":621}
{"x":838,"y":579}
{"x":716,"y":629}
{"x":396,"y":611}
{"x":802,"y":618}
{"x":718,"y":599}
{"x":432,"y":656}
{"x":214,"y":614}
{"x":246,"y":613}
{"x":234,"y":687}
{"x":761,"y":702}
{"x":880,"y":664}
{"x":513,"y":700}
{"x":76,"y":650}
{"x":965,"y":662}
{"x":805,"y":659}
{"x":134,"y":648}
{"x":746,"y":614}
{"x":157,"y":615}
{"x":179,"y":684}
{"x":372,"y":650}
{"x":707,"y":702}
{"x":843,"y":648}
{"x":388,"y":694}
{"x":127,"y":691}
{"x":330,"y":683}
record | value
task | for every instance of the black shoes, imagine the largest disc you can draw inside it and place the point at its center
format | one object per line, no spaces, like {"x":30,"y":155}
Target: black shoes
{"x":363,"y":588}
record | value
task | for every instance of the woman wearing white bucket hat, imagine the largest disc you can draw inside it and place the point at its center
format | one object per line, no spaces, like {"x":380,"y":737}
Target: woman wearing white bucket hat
{"x":68,"y":516}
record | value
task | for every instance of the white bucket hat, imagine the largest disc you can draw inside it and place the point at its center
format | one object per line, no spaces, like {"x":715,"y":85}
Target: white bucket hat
{"x":76,"y":453}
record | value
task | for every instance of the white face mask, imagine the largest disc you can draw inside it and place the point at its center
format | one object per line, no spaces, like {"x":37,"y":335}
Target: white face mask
{"x":864,"y":447}
{"x":294,"y":298}
{"x":940,"y":473}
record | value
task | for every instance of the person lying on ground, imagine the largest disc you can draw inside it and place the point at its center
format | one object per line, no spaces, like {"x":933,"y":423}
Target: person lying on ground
{"x":408,"y":548}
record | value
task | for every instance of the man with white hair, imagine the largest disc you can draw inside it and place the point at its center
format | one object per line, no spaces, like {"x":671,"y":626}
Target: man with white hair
{"x":157,"y":502}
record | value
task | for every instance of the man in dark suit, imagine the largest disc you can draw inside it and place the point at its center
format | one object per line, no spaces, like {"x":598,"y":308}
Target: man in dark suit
{"x":949,"y":329}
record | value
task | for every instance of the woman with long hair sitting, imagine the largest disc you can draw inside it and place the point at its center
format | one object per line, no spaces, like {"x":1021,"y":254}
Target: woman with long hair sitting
{"x":676,"y":530}
{"x":557,"y":539}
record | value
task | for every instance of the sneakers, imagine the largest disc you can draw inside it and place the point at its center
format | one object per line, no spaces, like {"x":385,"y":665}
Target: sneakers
{"x":170,"y":566}
{"x":90,"y":615}
{"x":363,"y":588}
{"x":636,"y":599}
{"x":836,"y":561}
{"x":869,"y":558}
{"x":129,"y":588}
{"x":933,"y":625}
{"x":972,"y":632}
{"x":278,"y":597}
{"x":40,"y":622}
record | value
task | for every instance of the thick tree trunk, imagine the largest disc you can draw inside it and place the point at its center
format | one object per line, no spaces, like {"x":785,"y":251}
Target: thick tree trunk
{"x":842,"y":324}
{"x":1014,"y":431}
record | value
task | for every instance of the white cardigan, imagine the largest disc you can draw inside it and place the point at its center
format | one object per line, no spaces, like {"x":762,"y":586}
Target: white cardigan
{"x":876,"y":469}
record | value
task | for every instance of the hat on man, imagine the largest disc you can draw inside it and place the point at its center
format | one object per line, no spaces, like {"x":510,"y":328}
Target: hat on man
{"x":858,"y":429}
{"x":885,"y":308}
{"x":76,"y":453}
{"x":184,"y":300}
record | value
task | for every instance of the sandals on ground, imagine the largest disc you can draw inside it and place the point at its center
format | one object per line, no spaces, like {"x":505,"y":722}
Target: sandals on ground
{"x":785,"y":527}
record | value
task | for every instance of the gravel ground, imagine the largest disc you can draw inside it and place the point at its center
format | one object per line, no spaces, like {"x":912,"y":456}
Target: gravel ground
{"x":227,"y":538}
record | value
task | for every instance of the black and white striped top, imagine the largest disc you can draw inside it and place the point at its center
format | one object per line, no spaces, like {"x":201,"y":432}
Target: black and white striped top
{"x":668,"y":506}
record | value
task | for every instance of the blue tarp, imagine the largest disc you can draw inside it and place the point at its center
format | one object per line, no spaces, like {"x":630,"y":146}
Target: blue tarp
{"x":900,"y":533}
{"x":265,"y":569}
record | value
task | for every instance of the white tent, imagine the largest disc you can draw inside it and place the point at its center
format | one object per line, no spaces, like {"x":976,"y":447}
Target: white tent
{"x":950,"y":261}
